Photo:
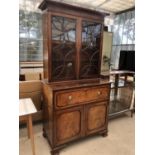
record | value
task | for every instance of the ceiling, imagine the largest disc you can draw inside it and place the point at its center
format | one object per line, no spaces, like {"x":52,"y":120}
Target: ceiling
{"x":109,"y":6}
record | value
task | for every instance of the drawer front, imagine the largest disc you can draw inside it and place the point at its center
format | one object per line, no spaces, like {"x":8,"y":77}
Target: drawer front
{"x":81,"y":96}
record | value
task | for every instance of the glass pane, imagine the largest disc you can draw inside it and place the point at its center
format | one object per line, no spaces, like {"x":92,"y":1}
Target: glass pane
{"x":63,"y":48}
{"x":91,"y":35}
{"x":117,"y":29}
{"x":125,"y":29}
{"x":131,"y":29}
{"x":30,"y":49}
{"x":115,"y":57}
{"x":124,"y":34}
{"x":30,"y":35}
{"x":133,"y":23}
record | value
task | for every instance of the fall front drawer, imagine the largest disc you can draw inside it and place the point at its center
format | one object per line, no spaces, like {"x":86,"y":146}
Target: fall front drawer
{"x":80,"y":96}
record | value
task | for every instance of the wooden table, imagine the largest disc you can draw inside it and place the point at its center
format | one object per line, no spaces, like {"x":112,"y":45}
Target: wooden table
{"x":26,"y":109}
{"x":117,"y":74}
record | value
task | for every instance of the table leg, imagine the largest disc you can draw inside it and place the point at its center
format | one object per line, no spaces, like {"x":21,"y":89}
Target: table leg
{"x":31,"y":133}
{"x":126,"y":78}
{"x":28,"y":131}
{"x":116,"y":84}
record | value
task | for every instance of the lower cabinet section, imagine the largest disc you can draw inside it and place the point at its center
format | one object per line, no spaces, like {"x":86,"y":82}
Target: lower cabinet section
{"x":63,"y":125}
{"x":74,"y":123}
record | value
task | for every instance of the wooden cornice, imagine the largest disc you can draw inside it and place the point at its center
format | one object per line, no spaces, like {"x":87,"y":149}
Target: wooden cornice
{"x":69,"y":9}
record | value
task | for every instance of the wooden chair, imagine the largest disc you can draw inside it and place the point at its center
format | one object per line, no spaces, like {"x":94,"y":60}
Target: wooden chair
{"x":33,"y":76}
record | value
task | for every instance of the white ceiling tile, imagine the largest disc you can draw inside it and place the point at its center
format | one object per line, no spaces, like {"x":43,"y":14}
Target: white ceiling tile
{"x":112,"y":6}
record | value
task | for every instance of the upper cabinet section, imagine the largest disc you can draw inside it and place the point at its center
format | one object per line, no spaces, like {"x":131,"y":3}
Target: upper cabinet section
{"x":72,"y":42}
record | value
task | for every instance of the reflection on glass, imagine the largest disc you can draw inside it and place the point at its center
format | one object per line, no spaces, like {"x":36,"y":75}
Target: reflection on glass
{"x":63,"y":48}
{"x":91,"y":35}
{"x":106,"y":51}
{"x":124,"y":28}
{"x":30,"y":36}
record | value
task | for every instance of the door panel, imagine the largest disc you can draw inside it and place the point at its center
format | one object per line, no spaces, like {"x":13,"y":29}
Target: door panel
{"x":90,"y":50}
{"x":63,"y":48}
{"x":96,"y":116}
{"x":68,"y":125}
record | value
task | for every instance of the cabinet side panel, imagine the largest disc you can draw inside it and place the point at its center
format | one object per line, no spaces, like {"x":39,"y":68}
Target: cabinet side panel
{"x":48,"y":113}
{"x":45,"y":45}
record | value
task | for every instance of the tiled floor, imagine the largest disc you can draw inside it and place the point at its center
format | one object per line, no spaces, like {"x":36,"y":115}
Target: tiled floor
{"x":120,"y":141}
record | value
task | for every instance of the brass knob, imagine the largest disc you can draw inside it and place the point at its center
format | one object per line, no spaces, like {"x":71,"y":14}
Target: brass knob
{"x":99,"y":93}
{"x":70,"y":97}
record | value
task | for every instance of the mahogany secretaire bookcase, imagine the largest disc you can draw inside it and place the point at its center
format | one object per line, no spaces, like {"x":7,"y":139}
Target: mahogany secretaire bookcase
{"x":75,"y":98}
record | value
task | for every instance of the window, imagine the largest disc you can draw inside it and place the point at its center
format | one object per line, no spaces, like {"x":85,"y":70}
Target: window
{"x":123,"y":35}
{"x":30,"y":31}
{"x":123,"y":28}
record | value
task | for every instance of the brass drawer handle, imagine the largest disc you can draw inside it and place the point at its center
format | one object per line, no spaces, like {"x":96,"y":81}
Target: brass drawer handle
{"x":70,"y":97}
{"x":99,"y":93}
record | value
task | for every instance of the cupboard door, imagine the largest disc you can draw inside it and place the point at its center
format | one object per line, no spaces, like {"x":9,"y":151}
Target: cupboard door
{"x":68,"y":125}
{"x":96,"y":117}
{"x":63,"y":48}
{"x":90,"y":49}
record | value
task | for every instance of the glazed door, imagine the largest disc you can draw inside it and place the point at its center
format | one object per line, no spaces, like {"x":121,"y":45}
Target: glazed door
{"x":68,"y":125}
{"x":96,"y":117}
{"x":90,"y":49}
{"x":63,"y":48}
